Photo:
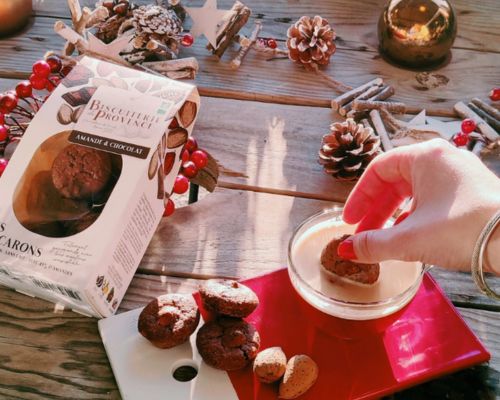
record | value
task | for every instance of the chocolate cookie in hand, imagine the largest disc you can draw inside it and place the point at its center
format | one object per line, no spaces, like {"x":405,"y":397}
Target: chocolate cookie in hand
{"x":228,"y":297}
{"x":333,"y":263}
{"x":80,"y":172}
{"x":169,"y":320}
{"x":228,"y":343}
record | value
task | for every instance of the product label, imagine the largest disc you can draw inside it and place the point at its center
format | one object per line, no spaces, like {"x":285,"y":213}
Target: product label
{"x":136,"y":119}
{"x":106,"y":144}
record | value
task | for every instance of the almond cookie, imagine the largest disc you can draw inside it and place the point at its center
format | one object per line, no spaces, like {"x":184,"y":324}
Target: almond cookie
{"x":228,"y":343}
{"x":361,"y":273}
{"x":169,"y":320}
{"x":228,"y":297}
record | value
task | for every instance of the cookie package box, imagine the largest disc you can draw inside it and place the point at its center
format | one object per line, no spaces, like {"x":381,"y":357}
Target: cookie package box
{"x":86,"y":187}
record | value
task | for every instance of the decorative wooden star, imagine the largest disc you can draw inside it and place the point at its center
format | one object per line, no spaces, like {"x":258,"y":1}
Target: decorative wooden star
{"x":111,"y":50}
{"x":206,"y":20}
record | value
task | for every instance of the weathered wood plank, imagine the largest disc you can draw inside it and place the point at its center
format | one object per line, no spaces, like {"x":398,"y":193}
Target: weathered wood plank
{"x":282,"y":81}
{"x":269,"y":146}
{"x":7,"y":84}
{"x":40,"y":359}
{"x":478,"y":22}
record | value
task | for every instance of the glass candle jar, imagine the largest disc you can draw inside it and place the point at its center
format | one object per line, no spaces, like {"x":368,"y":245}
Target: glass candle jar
{"x":14,"y":15}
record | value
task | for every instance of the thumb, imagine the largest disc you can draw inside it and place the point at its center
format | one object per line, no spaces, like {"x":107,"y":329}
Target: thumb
{"x":372,"y":246}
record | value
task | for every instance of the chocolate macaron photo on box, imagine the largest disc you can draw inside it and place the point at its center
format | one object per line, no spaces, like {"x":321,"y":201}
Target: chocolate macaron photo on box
{"x":88,"y":184}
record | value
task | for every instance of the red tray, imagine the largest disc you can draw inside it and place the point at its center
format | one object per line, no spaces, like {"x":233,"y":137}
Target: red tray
{"x":359,"y":359}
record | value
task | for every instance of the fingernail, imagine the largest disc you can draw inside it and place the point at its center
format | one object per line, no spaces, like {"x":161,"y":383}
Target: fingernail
{"x":401,"y":217}
{"x":346,"y":250}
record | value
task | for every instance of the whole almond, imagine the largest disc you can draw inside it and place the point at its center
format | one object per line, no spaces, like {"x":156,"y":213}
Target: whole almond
{"x":101,"y":82}
{"x":77,"y":112}
{"x":153,"y":165}
{"x":119,"y":83}
{"x":143,"y":85}
{"x":177,"y":137}
{"x":270,"y":364}
{"x":64,"y":114}
{"x":300,"y":374}
{"x":169,"y":162}
{"x":187,"y":113}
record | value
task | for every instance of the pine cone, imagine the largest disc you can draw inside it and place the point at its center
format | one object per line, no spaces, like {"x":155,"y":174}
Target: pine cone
{"x":153,"y":22}
{"x":310,"y":42}
{"x":119,"y":12}
{"x":348,"y":149}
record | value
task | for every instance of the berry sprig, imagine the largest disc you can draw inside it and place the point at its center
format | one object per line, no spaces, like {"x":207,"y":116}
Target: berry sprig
{"x":495,"y":94}
{"x":18,"y":107}
{"x":193,"y":160}
{"x":267,"y":42}
{"x":462,"y":138}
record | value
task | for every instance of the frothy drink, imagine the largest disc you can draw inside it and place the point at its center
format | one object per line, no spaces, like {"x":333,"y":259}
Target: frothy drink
{"x":395,"y":276}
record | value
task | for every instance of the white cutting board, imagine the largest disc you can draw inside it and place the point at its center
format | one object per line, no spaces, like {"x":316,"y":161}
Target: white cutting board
{"x":143,"y":371}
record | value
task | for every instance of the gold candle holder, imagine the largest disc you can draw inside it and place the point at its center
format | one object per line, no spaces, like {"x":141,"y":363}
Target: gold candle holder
{"x":14,"y":15}
{"x":417,"y":33}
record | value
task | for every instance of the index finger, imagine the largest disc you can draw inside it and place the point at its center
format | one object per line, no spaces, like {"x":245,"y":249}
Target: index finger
{"x":381,"y":189}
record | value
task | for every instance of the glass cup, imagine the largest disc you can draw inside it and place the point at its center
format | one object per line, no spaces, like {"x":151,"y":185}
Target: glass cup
{"x":341,"y":308}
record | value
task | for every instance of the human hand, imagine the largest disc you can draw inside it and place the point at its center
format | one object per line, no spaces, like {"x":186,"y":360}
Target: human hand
{"x":454,"y":196}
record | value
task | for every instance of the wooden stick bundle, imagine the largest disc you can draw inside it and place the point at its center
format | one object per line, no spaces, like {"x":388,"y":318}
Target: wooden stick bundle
{"x":379,"y":128}
{"x":486,"y":108}
{"x":182,"y":68}
{"x":366,"y":95}
{"x":352,"y":94}
{"x":236,"y":62}
{"x":238,"y":17}
{"x":465,"y":112}
{"x":495,"y":124}
{"x":363,"y":105}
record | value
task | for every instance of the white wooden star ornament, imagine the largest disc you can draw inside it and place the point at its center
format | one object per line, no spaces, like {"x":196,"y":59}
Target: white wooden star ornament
{"x":206,"y":20}
{"x":111,"y":50}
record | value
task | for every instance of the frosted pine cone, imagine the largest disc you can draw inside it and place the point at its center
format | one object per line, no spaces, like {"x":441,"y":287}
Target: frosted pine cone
{"x":153,"y":22}
{"x":348,"y":149}
{"x":310,"y":42}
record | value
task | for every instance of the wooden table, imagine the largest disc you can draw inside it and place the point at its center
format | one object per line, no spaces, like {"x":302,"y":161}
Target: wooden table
{"x":263,"y":123}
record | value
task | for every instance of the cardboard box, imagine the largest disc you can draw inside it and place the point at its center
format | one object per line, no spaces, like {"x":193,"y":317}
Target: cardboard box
{"x":86,"y":187}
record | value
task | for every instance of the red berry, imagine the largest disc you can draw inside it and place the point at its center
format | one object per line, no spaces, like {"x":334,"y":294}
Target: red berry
{"x":191,"y":145}
{"x":173,"y":124}
{"x":3,"y":165}
{"x":52,"y":83}
{"x":38,"y":82}
{"x":66,"y":70}
{"x":189,"y":169}
{"x":468,"y":125}
{"x":181,"y":184}
{"x":41,"y":68}
{"x":50,"y":86}
{"x":8,"y":101}
{"x":461,"y":139}
{"x":24,"y":89}
{"x":271,"y":43}
{"x":495,"y":94}
{"x":200,"y":159}
{"x":169,"y":208}
{"x":54,"y":62}
{"x":187,"y":40}
{"x":4,"y":133}
{"x":2,"y":119}
{"x":185,"y":156}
